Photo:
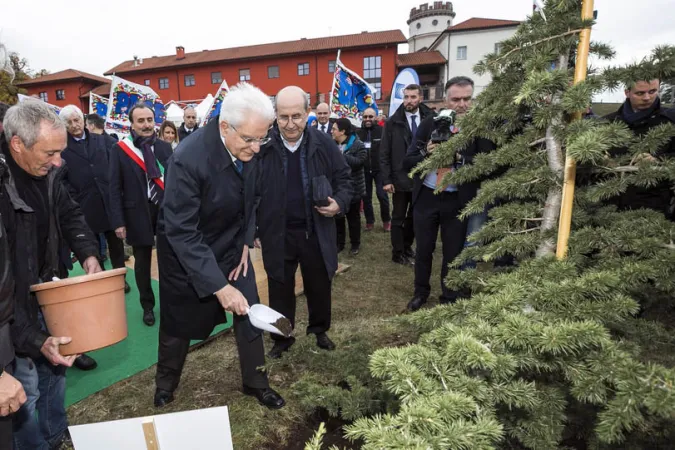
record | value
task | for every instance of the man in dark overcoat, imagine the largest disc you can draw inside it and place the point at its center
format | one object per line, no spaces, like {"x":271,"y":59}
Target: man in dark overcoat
{"x":136,"y":173}
{"x":206,"y":226}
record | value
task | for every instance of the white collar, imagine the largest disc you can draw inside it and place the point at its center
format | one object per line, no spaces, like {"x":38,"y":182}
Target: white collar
{"x":409,"y":114}
{"x":228,"y":150}
{"x":292,"y":147}
{"x":188,"y":129}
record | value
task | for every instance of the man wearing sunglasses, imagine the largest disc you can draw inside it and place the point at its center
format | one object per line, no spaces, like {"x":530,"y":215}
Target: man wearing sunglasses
{"x":206,"y":226}
{"x":189,"y":124}
{"x":293,"y":229}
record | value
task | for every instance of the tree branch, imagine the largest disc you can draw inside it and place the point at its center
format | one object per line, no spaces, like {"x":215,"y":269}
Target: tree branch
{"x":524,"y":231}
{"x":530,"y":44}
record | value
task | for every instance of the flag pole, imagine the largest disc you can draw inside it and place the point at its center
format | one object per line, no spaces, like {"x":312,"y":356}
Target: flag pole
{"x":580,"y":69}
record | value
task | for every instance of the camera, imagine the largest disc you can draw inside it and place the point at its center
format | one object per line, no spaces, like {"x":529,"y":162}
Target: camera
{"x":443,"y":123}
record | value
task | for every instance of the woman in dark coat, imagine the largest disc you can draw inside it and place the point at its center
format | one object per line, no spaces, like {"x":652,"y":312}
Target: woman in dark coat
{"x":355,"y":154}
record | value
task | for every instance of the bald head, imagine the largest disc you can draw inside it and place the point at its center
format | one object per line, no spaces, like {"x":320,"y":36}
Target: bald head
{"x":190,"y":117}
{"x":322,"y":113}
{"x":369,"y":118}
{"x":292,"y":110}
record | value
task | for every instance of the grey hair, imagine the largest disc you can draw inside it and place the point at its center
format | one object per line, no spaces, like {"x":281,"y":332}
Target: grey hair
{"x":25,"y":120}
{"x":68,"y":111}
{"x":244,"y":100}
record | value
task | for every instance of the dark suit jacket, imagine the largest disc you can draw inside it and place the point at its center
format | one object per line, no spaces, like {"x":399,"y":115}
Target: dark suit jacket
{"x":86,"y":177}
{"x":329,"y":126}
{"x":413,"y":157}
{"x":129,"y":194}
{"x":207,"y":216}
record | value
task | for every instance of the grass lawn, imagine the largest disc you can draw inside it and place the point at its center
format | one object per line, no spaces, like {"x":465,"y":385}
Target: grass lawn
{"x":371,"y":292}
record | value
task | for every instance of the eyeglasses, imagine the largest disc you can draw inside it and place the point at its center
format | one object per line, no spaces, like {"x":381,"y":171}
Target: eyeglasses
{"x":295,"y":118}
{"x":250,"y":140}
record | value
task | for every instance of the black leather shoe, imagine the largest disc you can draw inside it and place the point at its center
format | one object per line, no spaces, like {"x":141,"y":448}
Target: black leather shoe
{"x":266,"y":396}
{"x":416,"y":303}
{"x":84,"y":362}
{"x":280,"y":346}
{"x":355,"y":250}
{"x":324,"y":342}
{"x":149,"y":317}
{"x":162,"y":398}
{"x":402,"y":260}
{"x":127,"y":288}
{"x":409,"y":253}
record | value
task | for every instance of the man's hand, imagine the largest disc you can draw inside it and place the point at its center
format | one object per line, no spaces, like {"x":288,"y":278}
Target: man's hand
{"x":389,"y":188}
{"x":256,"y":243}
{"x":50,"y":350}
{"x":121,"y":232}
{"x":232,"y":300}
{"x":91,"y":265}
{"x":242,"y":266}
{"x":431,"y":146}
{"x":329,"y":211}
{"x":12,"y":395}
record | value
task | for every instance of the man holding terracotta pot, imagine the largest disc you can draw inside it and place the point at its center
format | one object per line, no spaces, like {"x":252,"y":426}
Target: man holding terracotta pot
{"x":39,"y":215}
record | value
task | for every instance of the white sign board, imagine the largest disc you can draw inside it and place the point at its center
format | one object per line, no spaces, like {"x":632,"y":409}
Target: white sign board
{"x":189,"y":430}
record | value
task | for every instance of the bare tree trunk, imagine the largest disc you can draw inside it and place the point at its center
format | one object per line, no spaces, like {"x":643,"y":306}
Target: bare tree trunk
{"x":557,"y":165}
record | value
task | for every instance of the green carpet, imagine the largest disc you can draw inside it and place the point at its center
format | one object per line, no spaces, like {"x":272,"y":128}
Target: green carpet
{"x":134,"y":354}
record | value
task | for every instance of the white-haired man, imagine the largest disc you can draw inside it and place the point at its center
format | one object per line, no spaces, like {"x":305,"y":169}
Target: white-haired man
{"x":207,"y":224}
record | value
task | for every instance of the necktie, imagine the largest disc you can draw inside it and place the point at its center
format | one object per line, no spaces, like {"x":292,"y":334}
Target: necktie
{"x":239,"y":165}
{"x":156,"y":192}
{"x":413,"y":124}
{"x":323,"y":128}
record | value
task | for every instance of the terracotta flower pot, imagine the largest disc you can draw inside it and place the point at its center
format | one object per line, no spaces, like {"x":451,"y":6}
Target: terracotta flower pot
{"x":90,"y":309}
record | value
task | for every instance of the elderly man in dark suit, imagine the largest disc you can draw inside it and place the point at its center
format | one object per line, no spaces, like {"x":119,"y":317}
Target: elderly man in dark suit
{"x":136,"y":189}
{"x":206,"y":225}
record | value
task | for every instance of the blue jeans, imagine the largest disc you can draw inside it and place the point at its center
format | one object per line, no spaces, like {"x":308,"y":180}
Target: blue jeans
{"x":45,"y":386}
{"x":382,"y":197}
{"x":474,"y":224}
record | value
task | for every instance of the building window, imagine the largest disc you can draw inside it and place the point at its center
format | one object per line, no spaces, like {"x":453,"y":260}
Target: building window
{"x":303,"y":69}
{"x":419,"y":25}
{"x":189,"y":80}
{"x":434,"y":22}
{"x":498,"y":48}
{"x":331,"y":66}
{"x":60,"y":94}
{"x":372,"y":67}
{"x":425,"y":93}
{"x":44,"y":97}
{"x":147,"y":82}
{"x":461,"y":52}
{"x":164,"y":83}
{"x":216,"y":77}
{"x":372,"y":73}
{"x":272,"y":71}
{"x":244,"y":74}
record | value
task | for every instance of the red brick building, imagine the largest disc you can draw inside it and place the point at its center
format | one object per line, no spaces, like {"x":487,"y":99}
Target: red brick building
{"x":307,"y":63}
{"x":66,"y":87}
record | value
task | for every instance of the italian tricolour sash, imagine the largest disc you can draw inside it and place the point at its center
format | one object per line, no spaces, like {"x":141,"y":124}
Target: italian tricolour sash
{"x":136,"y":155}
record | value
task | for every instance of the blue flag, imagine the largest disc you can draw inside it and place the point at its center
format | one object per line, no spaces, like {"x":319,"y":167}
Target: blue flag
{"x":351,"y":95}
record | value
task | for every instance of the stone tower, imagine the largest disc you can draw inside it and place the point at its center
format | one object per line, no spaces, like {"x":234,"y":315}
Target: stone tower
{"x":426,"y":22}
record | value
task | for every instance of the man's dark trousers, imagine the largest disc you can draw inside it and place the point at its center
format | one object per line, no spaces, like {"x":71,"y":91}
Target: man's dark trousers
{"x":303,"y":248}
{"x":434,"y":211}
{"x":382,"y":197}
{"x":351,"y":220}
{"x":6,"y":424}
{"x":173,"y":350}
{"x":143,"y":265}
{"x":402,"y":229}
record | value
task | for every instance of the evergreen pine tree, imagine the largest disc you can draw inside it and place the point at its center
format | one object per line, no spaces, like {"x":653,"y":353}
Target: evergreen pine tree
{"x":550,"y":353}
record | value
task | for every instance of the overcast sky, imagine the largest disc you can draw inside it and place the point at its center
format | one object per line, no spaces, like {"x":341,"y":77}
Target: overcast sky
{"x":94,"y":36}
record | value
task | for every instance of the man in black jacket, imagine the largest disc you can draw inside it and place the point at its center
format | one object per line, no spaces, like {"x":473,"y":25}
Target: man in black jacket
{"x":12,"y":395}
{"x":641,"y":112}
{"x":189,"y":124}
{"x":433,"y":211}
{"x":292,"y":228}
{"x":206,"y":226}
{"x":39,"y":218}
{"x":136,"y":189}
{"x":399,"y":132}
{"x":370,"y":134}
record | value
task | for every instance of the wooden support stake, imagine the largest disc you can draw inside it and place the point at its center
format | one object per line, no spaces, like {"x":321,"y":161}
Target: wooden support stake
{"x":150,"y":433}
{"x":580,"y":69}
